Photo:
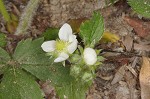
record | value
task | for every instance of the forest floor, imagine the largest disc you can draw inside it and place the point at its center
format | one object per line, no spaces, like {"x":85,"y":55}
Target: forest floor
{"x":119,"y":75}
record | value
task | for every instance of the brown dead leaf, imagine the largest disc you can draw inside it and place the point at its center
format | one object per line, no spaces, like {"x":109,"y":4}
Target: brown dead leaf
{"x":122,"y":91}
{"x":128,"y":42}
{"x":132,"y":70}
{"x":75,"y":24}
{"x":131,"y":81}
{"x":145,"y":78}
{"x":141,"y":28}
{"x":141,"y":47}
{"x":119,"y":75}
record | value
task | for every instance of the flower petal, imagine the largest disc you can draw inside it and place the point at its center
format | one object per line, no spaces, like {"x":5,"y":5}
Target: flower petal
{"x":48,"y":46}
{"x":90,"y":56}
{"x":64,"y":32}
{"x":63,"y":56}
{"x":72,"y":38}
{"x":72,"y":46}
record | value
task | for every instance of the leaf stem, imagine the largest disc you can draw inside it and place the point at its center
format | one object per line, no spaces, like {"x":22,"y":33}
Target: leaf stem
{"x":27,"y":17}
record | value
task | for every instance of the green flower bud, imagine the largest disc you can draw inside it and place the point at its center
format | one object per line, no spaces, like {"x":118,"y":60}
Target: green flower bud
{"x":75,"y":71}
{"x":87,"y":76}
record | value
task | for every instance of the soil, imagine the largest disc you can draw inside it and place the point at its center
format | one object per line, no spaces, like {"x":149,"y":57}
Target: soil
{"x":118,"y":77}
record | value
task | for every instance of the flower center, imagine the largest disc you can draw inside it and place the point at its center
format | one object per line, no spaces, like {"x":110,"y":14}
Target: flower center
{"x":61,"y":45}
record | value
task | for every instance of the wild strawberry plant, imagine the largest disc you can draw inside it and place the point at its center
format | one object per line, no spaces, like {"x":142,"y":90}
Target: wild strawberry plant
{"x":69,"y":66}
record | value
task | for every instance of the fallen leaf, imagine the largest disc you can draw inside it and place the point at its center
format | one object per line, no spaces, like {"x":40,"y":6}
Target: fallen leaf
{"x":145,"y":78}
{"x":131,"y":81}
{"x":122,"y":91}
{"x":132,"y":70}
{"x":141,"y":47}
{"x":128,"y":42}
{"x":75,"y":24}
{"x":119,"y":75}
{"x":109,"y":37}
{"x":141,"y":28}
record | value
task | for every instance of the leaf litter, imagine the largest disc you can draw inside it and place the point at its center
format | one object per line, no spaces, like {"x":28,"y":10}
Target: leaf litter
{"x":120,"y":76}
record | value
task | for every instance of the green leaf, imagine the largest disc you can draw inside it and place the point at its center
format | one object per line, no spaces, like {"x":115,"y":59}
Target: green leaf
{"x":3,"y":41}
{"x":16,"y":84}
{"x":31,"y":58}
{"x":4,"y":56}
{"x":30,"y":53}
{"x":61,"y":80}
{"x":92,"y":30}
{"x":141,"y":7}
{"x":56,"y":73}
{"x":73,"y":90}
{"x":51,"y":34}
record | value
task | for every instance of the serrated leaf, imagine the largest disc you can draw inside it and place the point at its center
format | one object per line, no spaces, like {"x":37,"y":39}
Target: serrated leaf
{"x":4,"y":56}
{"x":51,"y":34}
{"x":60,"y":77}
{"x":92,"y":30}
{"x":16,"y":84}
{"x":56,"y":73}
{"x":31,"y":58}
{"x":141,"y":7}
{"x":30,"y":52}
{"x":3,"y":41}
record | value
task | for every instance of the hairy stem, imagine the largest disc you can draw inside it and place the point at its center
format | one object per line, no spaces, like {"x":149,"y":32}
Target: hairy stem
{"x":27,"y":17}
{"x":4,"y":12}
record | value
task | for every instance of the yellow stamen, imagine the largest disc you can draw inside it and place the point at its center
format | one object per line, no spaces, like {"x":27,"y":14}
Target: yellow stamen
{"x":61,"y":45}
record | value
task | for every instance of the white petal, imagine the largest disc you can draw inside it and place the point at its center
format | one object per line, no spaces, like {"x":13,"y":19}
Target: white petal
{"x":64,"y":32}
{"x":72,"y":46}
{"x":90,"y":56}
{"x":72,"y":38}
{"x":63,"y":56}
{"x":48,"y":46}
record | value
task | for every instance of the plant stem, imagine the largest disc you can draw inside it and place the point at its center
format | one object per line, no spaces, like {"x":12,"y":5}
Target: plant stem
{"x":4,"y":12}
{"x":27,"y":17}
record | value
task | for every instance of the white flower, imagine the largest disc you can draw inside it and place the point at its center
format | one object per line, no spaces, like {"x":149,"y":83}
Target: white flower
{"x":90,"y":56}
{"x":66,"y":45}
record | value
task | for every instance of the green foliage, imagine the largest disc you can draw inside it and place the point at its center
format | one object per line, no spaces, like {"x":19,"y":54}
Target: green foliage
{"x":51,"y":34}
{"x":141,"y":7}
{"x":4,"y":11}
{"x":30,"y":52}
{"x":29,"y":58}
{"x":3,"y":41}
{"x":11,"y":20}
{"x":73,"y":90}
{"x":92,"y":30}
{"x":4,"y":58}
{"x":17,"y":84}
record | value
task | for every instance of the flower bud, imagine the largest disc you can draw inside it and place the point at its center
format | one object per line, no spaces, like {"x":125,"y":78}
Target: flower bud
{"x":90,"y":56}
{"x":75,"y":71}
{"x":87,"y":76}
